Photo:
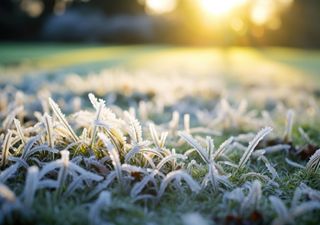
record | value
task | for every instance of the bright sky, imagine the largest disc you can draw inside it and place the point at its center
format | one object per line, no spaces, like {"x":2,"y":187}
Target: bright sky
{"x":160,"y":6}
{"x":261,"y":11}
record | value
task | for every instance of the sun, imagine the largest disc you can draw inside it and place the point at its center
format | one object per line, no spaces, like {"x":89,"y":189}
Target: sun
{"x":220,"y":7}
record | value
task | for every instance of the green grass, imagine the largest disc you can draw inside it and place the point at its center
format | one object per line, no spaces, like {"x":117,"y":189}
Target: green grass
{"x":281,"y":65}
{"x":246,"y":71}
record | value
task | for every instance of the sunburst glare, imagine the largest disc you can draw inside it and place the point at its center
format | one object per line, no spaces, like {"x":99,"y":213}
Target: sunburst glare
{"x":220,"y":8}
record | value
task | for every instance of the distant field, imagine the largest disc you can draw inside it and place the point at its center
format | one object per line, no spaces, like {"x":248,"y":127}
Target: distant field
{"x":282,"y":65}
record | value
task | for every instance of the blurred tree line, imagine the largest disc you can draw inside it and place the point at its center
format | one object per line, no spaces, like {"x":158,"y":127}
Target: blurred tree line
{"x":25,"y":20}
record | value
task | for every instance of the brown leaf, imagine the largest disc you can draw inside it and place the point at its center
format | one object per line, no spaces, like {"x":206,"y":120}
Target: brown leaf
{"x":306,"y":151}
{"x":137,"y":176}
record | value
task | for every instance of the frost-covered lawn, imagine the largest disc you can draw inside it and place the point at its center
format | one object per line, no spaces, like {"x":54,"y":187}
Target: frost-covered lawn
{"x":159,"y":135}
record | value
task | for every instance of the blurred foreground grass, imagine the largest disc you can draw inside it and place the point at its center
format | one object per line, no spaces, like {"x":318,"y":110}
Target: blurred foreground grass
{"x":281,"y":65}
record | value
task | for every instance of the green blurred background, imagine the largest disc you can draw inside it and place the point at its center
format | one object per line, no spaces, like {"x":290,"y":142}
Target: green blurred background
{"x":244,"y":40}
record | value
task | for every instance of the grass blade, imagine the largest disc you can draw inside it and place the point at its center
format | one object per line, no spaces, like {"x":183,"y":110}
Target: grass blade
{"x":246,"y":155}
{"x":62,"y":119}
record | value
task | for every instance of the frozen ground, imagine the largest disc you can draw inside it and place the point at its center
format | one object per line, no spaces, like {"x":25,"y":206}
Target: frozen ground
{"x":219,"y":136}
